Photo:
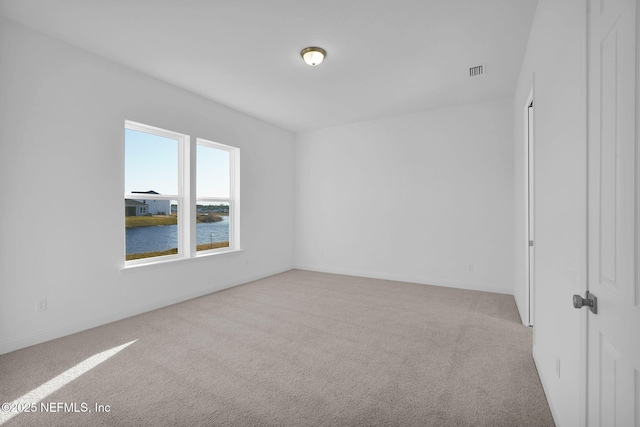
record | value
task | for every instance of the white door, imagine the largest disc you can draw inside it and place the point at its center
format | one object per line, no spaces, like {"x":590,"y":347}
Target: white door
{"x":613,"y":381}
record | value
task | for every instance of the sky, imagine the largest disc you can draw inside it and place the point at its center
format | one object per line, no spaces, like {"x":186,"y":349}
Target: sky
{"x":212,"y":172}
{"x":151,"y":163}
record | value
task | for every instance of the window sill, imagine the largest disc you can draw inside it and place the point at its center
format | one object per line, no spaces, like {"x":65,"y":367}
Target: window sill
{"x":162,"y":263}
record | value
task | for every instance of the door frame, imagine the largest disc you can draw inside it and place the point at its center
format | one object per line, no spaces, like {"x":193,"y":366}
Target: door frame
{"x":529,"y":170}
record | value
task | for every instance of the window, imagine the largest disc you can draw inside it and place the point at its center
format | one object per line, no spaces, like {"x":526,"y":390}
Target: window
{"x":214,"y":195}
{"x":166,"y":217}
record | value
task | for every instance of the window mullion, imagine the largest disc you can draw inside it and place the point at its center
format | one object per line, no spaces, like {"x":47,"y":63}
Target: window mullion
{"x":187,"y":187}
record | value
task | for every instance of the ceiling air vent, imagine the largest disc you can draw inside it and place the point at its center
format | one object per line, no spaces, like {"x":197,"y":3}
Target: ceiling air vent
{"x":476,"y":71}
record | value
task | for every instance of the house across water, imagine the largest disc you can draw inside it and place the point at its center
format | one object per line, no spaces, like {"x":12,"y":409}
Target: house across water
{"x":146,"y":206}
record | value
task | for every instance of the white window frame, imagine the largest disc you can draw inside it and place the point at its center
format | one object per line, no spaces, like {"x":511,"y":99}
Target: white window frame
{"x":186,"y":197}
{"x":232,"y":200}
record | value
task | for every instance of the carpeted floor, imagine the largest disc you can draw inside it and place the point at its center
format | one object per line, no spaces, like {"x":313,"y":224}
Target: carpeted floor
{"x":295,"y":349}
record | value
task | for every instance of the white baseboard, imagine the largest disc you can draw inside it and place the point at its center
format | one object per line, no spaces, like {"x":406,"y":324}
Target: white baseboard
{"x":411,"y":279}
{"x":522,"y":313}
{"x":92,"y":322}
{"x":545,"y":387}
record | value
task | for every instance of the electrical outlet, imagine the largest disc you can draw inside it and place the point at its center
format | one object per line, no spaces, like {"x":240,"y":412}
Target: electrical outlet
{"x":558,"y":367}
{"x":469,"y":267}
{"x":41,"y":304}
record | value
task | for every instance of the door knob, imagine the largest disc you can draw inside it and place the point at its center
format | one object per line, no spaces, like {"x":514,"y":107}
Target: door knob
{"x":590,"y":301}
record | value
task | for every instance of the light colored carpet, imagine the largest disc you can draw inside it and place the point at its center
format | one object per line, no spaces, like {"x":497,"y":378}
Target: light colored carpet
{"x":298,"y":349}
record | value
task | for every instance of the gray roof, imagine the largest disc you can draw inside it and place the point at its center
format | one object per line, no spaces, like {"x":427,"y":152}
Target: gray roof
{"x":145,"y":192}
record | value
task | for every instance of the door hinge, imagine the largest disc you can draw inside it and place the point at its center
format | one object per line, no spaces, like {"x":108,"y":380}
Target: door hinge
{"x":530,"y":242}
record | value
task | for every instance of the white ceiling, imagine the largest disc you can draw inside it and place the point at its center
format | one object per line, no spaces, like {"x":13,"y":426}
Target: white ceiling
{"x":384,"y":57}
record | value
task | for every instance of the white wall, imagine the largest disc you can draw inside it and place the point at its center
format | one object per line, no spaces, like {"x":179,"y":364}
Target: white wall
{"x":555,"y":66}
{"x":415,"y":198}
{"x":62,"y":112}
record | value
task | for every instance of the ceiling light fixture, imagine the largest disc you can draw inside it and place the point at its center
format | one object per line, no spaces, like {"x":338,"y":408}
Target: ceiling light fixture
{"x":313,"y":55}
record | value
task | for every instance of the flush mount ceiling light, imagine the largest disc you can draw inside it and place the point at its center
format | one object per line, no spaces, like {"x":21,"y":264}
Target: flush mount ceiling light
{"x":313,"y":55}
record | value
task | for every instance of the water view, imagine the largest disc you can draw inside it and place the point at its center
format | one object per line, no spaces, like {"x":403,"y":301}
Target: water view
{"x":164,"y":237}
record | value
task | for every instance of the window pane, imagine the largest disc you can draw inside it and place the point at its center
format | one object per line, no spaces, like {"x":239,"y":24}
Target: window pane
{"x":212,"y":172}
{"x":212,"y":226}
{"x":150,"y":234}
{"x":151,"y":163}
